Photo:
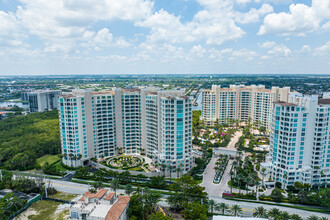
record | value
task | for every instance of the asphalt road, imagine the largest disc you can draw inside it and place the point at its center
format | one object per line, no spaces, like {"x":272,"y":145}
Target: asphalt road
{"x":248,"y":208}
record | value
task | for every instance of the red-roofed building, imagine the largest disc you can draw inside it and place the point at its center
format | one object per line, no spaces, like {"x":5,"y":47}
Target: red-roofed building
{"x":100,"y":206}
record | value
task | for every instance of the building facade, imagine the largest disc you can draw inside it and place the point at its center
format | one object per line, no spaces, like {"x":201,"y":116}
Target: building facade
{"x":145,"y":121}
{"x":239,"y":102}
{"x":42,"y":100}
{"x":300,"y":140}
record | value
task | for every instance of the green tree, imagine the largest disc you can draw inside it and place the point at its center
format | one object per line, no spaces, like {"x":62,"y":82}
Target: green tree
{"x":128,"y":189}
{"x":186,"y":190}
{"x":114,"y":185}
{"x":260,"y":212}
{"x":136,"y":207}
{"x":211,"y":204}
{"x":236,"y":209}
{"x":274,"y":213}
{"x":195,"y":211}
{"x":277,"y":195}
{"x":222,"y":207}
{"x":295,"y":217}
{"x":159,"y":216}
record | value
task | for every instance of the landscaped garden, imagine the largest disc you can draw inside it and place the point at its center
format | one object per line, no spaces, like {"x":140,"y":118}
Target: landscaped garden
{"x":126,"y":162}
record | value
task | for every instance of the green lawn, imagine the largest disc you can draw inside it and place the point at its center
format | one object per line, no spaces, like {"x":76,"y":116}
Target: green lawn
{"x":47,"y":158}
{"x":59,"y":166}
{"x":64,"y":196}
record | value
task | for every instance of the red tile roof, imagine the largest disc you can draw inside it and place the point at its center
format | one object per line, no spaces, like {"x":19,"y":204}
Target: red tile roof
{"x":99,"y":194}
{"x":118,"y":208}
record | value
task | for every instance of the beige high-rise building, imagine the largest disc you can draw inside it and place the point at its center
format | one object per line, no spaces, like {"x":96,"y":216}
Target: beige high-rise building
{"x":240,"y":102}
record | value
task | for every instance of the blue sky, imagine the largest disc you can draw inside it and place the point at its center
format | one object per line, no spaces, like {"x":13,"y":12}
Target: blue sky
{"x":164,"y":36}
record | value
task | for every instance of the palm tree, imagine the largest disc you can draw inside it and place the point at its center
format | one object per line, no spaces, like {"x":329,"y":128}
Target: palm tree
{"x":211,"y":204}
{"x":163,"y":167}
{"x":114,"y":184}
{"x":285,"y":215}
{"x":223,"y":207}
{"x":257,"y":184}
{"x":178,"y":170}
{"x":263,"y":173}
{"x":170,"y":167}
{"x":236,"y":209}
{"x":323,"y":218}
{"x":231,"y":173}
{"x":274,"y":213}
{"x":239,"y":177}
{"x":128,"y":189}
{"x":260,"y":212}
{"x":295,"y":217}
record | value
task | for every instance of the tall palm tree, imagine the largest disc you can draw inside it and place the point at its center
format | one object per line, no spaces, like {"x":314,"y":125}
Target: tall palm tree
{"x":178,"y":170}
{"x":114,"y":184}
{"x":170,"y":167}
{"x":257,"y":184}
{"x":263,"y":173}
{"x":222,"y":207}
{"x":260,"y":212}
{"x":236,"y":209}
{"x":211,"y":204}
{"x":163,"y":167}
{"x":231,"y":173}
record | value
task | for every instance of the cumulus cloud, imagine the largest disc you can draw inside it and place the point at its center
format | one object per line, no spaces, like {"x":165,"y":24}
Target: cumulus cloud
{"x":300,"y":19}
{"x":267,"y":44}
{"x":280,"y":50}
{"x":253,"y":15}
{"x":322,"y":50}
{"x":231,"y":54}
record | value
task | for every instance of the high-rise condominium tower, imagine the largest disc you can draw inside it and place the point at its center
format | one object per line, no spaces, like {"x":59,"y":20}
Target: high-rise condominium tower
{"x":43,"y":100}
{"x":145,"y":121}
{"x":300,"y":140}
{"x":239,"y":102}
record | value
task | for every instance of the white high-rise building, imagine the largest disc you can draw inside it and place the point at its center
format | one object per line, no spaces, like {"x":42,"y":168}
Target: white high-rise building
{"x":300,"y":140}
{"x":239,"y":102}
{"x":42,"y":100}
{"x":145,"y":121}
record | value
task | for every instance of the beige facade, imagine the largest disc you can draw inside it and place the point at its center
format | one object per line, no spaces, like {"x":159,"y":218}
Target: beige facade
{"x":240,"y":102}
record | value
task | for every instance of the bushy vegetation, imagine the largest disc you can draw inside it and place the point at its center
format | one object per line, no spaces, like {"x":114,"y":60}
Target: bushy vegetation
{"x":23,"y":139}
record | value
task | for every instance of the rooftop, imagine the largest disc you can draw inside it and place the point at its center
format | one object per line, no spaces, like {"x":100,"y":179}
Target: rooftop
{"x":285,"y":103}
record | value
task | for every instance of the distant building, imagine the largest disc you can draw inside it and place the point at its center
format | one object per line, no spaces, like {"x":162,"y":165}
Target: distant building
{"x":100,"y":206}
{"x":300,"y":140}
{"x":43,"y":100}
{"x":149,"y":121}
{"x":240,"y":102}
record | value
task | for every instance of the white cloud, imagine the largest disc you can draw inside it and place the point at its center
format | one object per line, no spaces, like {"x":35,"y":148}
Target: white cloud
{"x":300,"y":19}
{"x":267,"y":44}
{"x":326,"y":26}
{"x":253,"y":15}
{"x":197,"y":50}
{"x":305,"y":49}
{"x":322,"y":50}
{"x":280,"y":50}
{"x":231,"y":54}
{"x":103,"y":37}
{"x":214,"y":25}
